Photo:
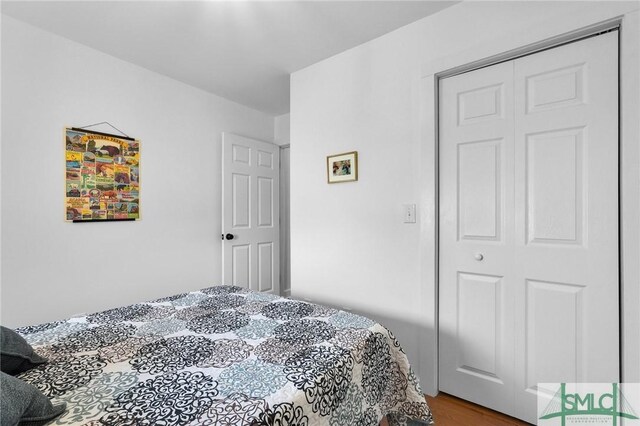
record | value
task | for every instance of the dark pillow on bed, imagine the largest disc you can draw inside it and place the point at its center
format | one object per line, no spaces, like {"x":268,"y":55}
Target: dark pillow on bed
{"x":22,"y":403}
{"x":16,"y":355}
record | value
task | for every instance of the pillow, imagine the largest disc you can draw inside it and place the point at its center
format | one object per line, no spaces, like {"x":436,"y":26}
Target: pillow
{"x":16,"y":355}
{"x":22,"y":403}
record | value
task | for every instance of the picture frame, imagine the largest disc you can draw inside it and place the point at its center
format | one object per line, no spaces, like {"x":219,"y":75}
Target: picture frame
{"x":342,"y":167}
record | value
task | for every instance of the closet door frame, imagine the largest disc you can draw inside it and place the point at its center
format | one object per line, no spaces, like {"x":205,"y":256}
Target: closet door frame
{"x":629,"y":189}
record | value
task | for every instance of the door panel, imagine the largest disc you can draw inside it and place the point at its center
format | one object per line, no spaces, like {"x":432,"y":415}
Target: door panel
{"x":479,"y":178}
{"x":476,"y":203}
{"x":485,"y":103}
{"x":528,"y":277}
{"x":265,"y":266}
{"x":479,"y":325}
{"x":555,"y":88}
{"x":554,"y":313}
{"x":265,"y":202}
{"x":554,"y":179}
{"x":250,"y":212}
{"x":241,"y":190}
{"x":265,"y":159}
{"x":241,"y":265}
{"x":566,"y":204}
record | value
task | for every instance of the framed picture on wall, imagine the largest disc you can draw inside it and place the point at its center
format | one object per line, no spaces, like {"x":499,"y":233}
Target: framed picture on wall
{"x":342,"y":167}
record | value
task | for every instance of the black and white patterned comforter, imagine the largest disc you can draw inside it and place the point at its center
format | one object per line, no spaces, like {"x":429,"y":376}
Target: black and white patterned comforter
{"x":225,"y":356}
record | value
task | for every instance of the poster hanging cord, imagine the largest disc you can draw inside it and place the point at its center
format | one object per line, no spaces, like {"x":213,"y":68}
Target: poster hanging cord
{"x":108,"y":124}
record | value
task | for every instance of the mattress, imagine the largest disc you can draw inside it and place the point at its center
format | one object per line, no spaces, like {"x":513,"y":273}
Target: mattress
{"x":224,"y":355}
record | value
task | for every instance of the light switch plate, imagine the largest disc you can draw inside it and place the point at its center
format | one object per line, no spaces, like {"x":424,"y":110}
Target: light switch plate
{"x":409,"y":213}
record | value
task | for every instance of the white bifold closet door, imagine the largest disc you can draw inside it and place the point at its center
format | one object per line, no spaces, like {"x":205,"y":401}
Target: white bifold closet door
{"x":528,"y":277}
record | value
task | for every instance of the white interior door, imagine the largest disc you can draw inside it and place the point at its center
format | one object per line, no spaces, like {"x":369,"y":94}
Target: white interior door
{"x":476,"y":219}
{"x":566,"y":155}
{"x":529,"y":225}
{"x":250,"y":213}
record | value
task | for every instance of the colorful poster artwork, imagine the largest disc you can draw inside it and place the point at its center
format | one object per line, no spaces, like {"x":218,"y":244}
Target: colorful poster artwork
{"x":102,"y":177}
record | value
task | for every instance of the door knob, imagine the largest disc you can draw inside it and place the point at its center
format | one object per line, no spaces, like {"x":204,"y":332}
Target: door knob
{"x":479,"y":257}
{"x":229,"y":236}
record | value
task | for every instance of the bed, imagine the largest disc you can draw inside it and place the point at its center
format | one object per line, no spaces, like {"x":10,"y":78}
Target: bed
{"x":225,"y":356}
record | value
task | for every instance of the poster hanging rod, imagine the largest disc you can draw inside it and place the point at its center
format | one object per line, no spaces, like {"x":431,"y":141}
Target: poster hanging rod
{"x":80,"y":129}
{"x":122,"y":134}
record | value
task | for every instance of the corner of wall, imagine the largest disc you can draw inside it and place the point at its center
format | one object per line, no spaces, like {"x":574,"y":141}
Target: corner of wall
{"x":281,"y":129}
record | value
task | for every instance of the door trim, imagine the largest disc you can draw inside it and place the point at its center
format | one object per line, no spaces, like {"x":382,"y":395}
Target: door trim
{"x":530,"y":49}
{"x":629,"y":29}
{"x":285,"y":224}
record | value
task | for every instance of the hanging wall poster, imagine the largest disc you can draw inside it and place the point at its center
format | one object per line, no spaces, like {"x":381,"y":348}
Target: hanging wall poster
{"x":102,"y":176}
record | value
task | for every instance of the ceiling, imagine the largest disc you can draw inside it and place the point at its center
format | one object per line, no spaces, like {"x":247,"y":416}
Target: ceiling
{"x":241,"y":50}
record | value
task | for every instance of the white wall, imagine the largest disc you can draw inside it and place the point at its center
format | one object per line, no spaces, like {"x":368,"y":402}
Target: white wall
{"x":52,"y":269}
{"x":282,"y":129}
{"x":348,"y":243}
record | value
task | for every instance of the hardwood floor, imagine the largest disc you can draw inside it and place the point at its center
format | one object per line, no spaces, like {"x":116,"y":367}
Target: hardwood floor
{"x":448,"y":410}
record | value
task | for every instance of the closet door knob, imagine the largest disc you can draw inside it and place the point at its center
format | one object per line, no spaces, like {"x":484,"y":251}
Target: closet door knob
{"x":229,"y":236}
{"x":479,"y":256}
